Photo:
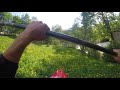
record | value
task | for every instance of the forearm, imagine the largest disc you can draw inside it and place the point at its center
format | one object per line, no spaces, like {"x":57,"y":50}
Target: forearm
{"x":14,"y":52}
{"x":10,"y":58}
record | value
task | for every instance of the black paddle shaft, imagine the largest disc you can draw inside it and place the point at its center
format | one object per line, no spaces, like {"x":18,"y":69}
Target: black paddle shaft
{"x":68,"y":38}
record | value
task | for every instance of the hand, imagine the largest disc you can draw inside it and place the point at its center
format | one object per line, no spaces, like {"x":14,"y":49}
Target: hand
{"x":117,"y":58}
{"x":36,"y":31}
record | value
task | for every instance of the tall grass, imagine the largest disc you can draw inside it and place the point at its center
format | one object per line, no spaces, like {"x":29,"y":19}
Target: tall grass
{"x":41,"y":61}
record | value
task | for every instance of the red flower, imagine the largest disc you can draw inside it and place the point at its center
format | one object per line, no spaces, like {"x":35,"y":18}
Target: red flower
{"x":59,"y":74}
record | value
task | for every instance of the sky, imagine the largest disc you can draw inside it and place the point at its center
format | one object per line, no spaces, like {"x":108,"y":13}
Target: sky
{"x":65,"y":19}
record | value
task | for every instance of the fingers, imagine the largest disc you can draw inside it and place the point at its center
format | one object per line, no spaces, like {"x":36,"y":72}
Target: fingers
{"x":116,"y":50}
{"x":37,"y":22}
{"x":40,"y":22}
{"x":117,"y":58}
{"x":46,"y":26}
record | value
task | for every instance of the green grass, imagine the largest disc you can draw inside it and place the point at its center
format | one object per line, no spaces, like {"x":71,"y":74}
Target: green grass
{"x":42,"y":61}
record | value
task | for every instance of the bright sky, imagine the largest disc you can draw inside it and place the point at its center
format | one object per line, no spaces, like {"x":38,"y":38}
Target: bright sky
{"x":65,"y":19}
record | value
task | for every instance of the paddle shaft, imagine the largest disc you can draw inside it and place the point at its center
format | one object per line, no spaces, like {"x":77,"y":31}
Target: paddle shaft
{"x":68,"y":38}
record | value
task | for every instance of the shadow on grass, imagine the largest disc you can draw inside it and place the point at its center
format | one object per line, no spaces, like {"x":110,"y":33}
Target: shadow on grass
{"x":20,"y":75}
{"x":47,"y":69}
{"x":73,"y":51}
{"x":47,"y":66}
{"x":64,"y":50}
{"x":77,"y":66}
{"x":68,"y":66}
{"x":59,"y":62}
{"x":12,"y":36}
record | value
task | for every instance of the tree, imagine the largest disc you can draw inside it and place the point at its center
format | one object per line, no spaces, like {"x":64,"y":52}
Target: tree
{"x":5,"y":17}
{"x":8,"y":17}
{"x":25,"y":19}
{"x":106,"y":18}
{"x":34,"y":18}
{"x":17,"y":20}
{"x":87,"y":22}
{"x":57,"y":28}
{"x":1,"y":16}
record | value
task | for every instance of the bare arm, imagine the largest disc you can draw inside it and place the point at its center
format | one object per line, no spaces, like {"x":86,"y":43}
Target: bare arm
{"x":34,"y":31}
{"x":117,"y":58}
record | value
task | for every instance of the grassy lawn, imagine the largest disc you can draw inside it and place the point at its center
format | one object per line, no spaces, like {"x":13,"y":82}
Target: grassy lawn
{"x":41,"y":61}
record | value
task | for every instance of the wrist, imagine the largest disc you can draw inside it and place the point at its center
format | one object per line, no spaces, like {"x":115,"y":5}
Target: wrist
{"x":24,"y":39}
{"x":14,"y":52}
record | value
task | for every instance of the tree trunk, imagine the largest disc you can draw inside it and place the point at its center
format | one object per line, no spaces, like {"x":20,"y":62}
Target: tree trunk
{"x":107,"y":24}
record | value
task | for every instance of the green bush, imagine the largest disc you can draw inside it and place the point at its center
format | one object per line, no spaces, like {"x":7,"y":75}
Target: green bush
{"x":94,"y":53}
